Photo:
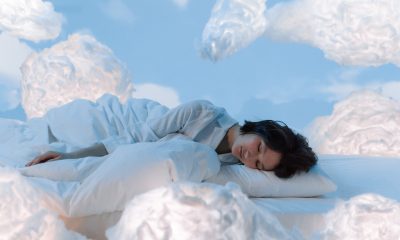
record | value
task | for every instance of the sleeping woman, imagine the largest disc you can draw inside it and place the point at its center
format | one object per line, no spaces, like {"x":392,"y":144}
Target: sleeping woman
{"x":265,"y":145}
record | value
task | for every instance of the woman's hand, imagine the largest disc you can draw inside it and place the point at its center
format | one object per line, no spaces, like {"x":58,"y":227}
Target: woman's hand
{"x":96,"y":150}
{"x":45,"y":157}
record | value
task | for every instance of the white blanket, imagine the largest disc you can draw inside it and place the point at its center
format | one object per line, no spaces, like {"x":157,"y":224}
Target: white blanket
{"x":31,"y":202}
{"x":97,"y":185}
{"x":82,"y":123}
{"x":92,"y":185}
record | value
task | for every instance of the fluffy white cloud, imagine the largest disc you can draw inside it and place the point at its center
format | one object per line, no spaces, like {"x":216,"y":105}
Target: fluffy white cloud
{"x":233,"y":24}
{"x":390,"y":89}
{"x":181,"y":3}
{"x":365,"y":123}
{"x":337,"y":89}
{"x":117,"y":10}
{"x":23,"y":214}
{"x":367,"y":216}
{"x":9,"y":98}
{"x":79,"y":67}
{"x":13,"y":53}
{"x":350,"y":32}
{"x":33,"y":20}
{"x":162,"y":94}
{"x":195,"y":211}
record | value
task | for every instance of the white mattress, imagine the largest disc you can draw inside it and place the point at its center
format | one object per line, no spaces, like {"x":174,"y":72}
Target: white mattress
{"x":303,"y":214}
{"x":354,"y":175}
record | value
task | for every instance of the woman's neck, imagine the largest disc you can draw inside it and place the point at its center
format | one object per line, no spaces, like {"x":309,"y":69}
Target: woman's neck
{"x":225,"y":146}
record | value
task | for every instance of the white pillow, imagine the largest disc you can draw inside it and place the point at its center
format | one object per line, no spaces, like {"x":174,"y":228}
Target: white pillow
{"x":136,"y":168}
{"x":256,"y":183}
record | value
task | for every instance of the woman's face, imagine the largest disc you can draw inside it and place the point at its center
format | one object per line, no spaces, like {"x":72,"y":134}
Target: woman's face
{"x":252,"y":151}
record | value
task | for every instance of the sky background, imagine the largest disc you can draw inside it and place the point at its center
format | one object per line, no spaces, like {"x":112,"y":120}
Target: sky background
{"x":161,"y":43}
{"x":294,"y":61}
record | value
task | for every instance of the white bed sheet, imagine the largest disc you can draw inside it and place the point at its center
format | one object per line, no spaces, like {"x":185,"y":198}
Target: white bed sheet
{"x":354,"y":175}
{"x":304,"y":214}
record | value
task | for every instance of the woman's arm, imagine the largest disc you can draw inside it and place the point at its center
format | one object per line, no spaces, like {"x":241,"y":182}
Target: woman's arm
{"x":199,"y":120}
{"x":188,"y":119}
{"x":96,"y":150}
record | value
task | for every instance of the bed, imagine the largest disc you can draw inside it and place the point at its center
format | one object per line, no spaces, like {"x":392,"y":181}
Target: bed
{"x":85,"y":198}
{"x":353,"y":175}
{"x":307,"y":215}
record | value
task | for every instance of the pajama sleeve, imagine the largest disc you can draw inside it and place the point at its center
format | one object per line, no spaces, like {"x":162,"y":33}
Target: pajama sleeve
{"x":200,"y":120}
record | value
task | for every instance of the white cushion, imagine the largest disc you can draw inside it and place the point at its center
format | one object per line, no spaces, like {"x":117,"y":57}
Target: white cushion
{"x":256,"y":183}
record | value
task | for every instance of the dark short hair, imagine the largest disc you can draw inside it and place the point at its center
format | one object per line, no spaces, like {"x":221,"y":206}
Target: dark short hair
{"x":297,"y":156}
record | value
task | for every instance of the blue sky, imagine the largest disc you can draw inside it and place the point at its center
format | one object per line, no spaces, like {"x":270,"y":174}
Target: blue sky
{"x":160,"y":42}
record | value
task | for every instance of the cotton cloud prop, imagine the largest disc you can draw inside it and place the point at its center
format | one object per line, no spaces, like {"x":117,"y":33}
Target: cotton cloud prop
{"x":367,"y":216}
{"x":195,"y":211}
{"x":233,"y":24}
{"x":33,"y":20}
{"x":22,"y":216}
{"x":79,"y":67}
{"x":350,"y":32}
{"x":365,"y":123}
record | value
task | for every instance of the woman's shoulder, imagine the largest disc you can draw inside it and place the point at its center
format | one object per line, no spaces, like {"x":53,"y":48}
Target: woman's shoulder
{"x":201,"y":104}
